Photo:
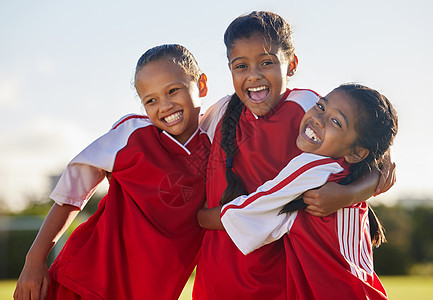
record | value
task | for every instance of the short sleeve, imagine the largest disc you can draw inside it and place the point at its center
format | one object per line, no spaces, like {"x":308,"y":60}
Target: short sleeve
{"x":88,"y":169}
{"x":212,"y":116}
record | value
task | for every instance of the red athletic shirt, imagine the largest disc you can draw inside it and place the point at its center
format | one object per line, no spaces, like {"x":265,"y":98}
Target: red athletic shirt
{"x":144,"y":239}
{"x":265,"y":145}
{"x":331,"y":257}
{"x":327,"y":258}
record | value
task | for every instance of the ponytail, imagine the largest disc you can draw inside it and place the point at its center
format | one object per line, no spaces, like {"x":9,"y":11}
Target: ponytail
{"x":377,"y":231}
{"x":235,"y":186}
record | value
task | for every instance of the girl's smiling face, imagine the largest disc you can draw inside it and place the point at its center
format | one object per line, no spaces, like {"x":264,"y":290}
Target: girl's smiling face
{"x":328,"y":128}
{"x":170,"y":97}
{"x":259,"y":72}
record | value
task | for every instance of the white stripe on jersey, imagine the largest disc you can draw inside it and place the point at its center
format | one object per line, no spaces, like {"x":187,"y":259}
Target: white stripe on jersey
{"x":86,"y":171}
{"x":304,"y":98}
{"x":254,"y":220}
{"x":354,"y":246}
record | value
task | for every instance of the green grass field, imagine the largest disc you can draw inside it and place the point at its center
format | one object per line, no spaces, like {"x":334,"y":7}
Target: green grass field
{"x":398,"y":288}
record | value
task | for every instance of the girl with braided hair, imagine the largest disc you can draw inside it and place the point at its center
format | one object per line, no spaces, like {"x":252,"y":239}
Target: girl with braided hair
{"x":346,"y":133}
{"x":254,"y":134}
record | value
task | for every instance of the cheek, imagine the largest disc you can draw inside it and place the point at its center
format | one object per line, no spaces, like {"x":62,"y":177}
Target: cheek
{"x":237,"y":80}
{"x":150,"y":112}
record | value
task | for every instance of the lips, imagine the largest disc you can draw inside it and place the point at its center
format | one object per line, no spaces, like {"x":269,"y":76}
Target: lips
{"x":258,"y":94}
{"x":312,"y":135}
{"x":173,"y":118}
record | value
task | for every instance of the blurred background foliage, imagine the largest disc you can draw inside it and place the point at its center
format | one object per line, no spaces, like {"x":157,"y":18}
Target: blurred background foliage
{"x":409,"y":231}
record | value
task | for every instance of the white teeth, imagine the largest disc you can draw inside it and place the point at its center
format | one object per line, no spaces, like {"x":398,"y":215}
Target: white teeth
{"x":174,"y":117}
{"x":257,"y":89}
{"x":311,"y":134}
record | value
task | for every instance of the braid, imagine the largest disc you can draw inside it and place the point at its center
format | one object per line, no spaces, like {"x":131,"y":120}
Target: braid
{"x":235,"y":186}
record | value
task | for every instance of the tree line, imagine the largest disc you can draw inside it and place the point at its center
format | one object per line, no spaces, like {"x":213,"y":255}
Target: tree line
{"x":409,"y":231}
{"x":408,"y":251}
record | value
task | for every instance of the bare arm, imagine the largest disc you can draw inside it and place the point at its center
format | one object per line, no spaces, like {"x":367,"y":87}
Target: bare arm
{"x":332,"y":196}
{"x":209,"y":218}
{"x":34,"y":280}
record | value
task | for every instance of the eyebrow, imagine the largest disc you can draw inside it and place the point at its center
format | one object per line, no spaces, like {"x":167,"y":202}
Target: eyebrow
{"x":341,"y":113}
{"x":260,"y":55}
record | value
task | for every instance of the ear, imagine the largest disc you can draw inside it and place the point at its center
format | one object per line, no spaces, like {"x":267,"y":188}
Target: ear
{"x":356,"y":156}
{"x":293,"y":65}
{"x":202,"y":85}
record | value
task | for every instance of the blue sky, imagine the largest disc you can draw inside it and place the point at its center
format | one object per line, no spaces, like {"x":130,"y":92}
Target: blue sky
{"x":66,"y":70}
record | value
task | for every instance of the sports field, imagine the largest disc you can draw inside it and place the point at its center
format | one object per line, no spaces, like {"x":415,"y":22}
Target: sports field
{"x":398,"y":288}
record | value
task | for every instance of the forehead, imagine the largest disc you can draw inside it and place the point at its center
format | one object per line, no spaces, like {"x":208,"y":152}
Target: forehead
{"x":254,"y":45}
{"x":157,"y":75}
{"x":342,"y":102}
{"x":160,"y":71}
{"x":162,"y":65}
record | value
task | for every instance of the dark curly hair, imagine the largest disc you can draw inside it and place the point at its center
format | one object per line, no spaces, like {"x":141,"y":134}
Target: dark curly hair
{"x":275,"y":29}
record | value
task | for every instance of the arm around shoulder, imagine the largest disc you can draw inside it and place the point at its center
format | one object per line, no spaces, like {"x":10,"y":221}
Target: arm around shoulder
{"x":332,"y":196}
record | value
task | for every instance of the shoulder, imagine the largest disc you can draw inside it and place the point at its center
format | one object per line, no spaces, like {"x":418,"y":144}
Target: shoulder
{"x":132,"y":121}
{"x":307,"y":161}
{"x":303,"y":97}
{"x":210,"y":119}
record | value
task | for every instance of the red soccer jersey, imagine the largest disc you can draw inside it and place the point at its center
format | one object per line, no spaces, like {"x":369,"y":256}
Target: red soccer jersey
{"x":144,"y":239}
{"x":331,"y":257}
{"x":265,"y":145}
{"x":327,"y":258}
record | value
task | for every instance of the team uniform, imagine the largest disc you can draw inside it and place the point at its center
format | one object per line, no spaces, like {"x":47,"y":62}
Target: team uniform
{"x":144,"y":239}
{"x":265,"y":145}
{"x":327,"y":258}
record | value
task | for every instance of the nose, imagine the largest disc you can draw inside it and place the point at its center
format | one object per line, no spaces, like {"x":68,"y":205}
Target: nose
{"x":255,"y":73}
{"x":318,"y":119}
{"x":165,"y":105}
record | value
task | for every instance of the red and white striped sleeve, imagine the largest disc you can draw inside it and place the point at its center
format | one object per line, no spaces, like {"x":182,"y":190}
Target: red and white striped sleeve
{"x":212,"y":116}
{"x":86,"y":171}
{"x":254,"y":220}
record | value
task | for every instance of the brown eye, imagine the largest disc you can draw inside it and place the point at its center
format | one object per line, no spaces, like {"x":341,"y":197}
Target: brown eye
{"x":149,"y":101}
{"x":172,"y":90}
{"x":336,"y":122}
{"x":240,"y":66}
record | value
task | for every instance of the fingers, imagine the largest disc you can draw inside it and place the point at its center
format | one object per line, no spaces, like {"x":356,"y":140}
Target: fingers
{"x":26,"y":294}
{"x":31,"y":291}
{"x":314,"y":211}
{"x":387,"y":179}
{"x":311,"y":199}
{"x":16,"y":294}
{"x":44,"y":288}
